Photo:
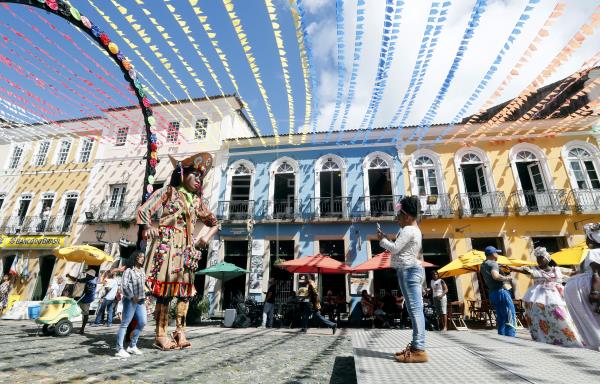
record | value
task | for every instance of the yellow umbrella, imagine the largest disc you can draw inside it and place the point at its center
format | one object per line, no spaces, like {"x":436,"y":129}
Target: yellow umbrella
{"x":83,"y":254}
{"x":571,"y":256}
{"x":470,"y":262}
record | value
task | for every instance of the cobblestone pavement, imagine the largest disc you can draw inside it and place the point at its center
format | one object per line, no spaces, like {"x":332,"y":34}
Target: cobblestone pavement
{"x":218,"y":355}
{"x":471,"y":357}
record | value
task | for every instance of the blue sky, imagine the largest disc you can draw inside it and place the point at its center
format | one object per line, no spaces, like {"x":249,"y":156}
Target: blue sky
{"x":62,"y":66}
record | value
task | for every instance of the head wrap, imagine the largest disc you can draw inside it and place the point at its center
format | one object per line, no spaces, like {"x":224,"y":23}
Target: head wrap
{"x":202,"y":162}
{"x":410,"y":205}
{"x":541,"y":252}
{"x":592,"y":232}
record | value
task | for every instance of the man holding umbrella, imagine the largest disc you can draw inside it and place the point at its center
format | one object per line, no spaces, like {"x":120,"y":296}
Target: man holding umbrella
{"x":499,"y":296}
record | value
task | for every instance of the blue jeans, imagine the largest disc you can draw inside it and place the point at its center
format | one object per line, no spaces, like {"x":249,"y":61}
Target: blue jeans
{"x":129,"y":310}
{"x":505,"y":312}
{"x":106,"y":305}
{"x":306,"y":316}
{"x":411,"y":281}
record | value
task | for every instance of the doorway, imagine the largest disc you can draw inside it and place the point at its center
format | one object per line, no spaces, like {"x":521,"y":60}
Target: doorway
{"x":384,"y":280}
{"x":7,"y":263}
{"x":282,"y":250}
{"x":24,"y":204}
{"x":46,"y":267}
{"x":330,"y":190}
{"x":69,"y":212}
{"x":336,"y":283}
{"x":236,"y":252}
{"x":239,"y":206}
{"x":476,"y":187}
{"x":437,"y":251}
{"x":284,"y":193}
{"x":552,"y":244}
{"x":381,"y":199}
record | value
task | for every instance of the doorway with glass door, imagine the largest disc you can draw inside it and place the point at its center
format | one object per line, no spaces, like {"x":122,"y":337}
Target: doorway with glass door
{"x":330,"y":189}
{"x":21,"y":220}
{"x":477,"y":198}
{"x":336,"y":283}
{"x":116,"y":201}
{"x":283,"y":204}
{"x":239,"y":205}
{"x":69,"y":211}
{"x":534,"y":195}
{"x":381,"y":199}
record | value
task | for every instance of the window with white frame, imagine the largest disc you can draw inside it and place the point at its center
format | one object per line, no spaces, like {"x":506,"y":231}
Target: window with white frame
{"x":584,"y":170}
{"x":86,"y":150}
{"x":117,"y":195}
{"x":200,"y":129}
{"x":63,"y":152}
{"x":378,"y":163}
{"x":42,"y":153}
{"x":173,"y":132}
{"x":121,"y":138}
{"x":426,"y":176}
{"x":15,"y":158}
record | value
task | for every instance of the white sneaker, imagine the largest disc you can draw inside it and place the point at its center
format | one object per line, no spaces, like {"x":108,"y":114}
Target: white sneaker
{"x":122,"y":353}
{"x":134,"y":351}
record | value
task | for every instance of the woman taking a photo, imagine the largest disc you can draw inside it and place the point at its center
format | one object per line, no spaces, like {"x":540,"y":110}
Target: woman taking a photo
{"x":411,"y":275}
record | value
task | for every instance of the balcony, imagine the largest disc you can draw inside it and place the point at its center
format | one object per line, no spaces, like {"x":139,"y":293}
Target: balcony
{"x":36,"y":224}
{"x":235,"y":210}
{"x":104,"y":213}
{"x":436,"y":206}
{"x":280,"y":210}
{"x":480,"y":204}
{"x":330,"y":207}
{"x":376,"y":206}
{"x":585,"y":200}
{"x":544,"y":202}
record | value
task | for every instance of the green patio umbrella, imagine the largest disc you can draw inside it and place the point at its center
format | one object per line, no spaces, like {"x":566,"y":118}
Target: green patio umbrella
{"x":223,"y":271}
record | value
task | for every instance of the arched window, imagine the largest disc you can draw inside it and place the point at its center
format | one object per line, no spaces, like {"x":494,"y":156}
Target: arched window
{"x":533,"y":181}
{"x":242,"y":170}
{"x":426,"y":176}
{"x":238,"y":204}
{"x":329,"y":187}
{"x":330,"y":166}
{"x":583,"y":168}
{"x":470,"y":158}
{"x":282,"y":202}
{"x":525,"y":156}
{"x":475,"y":183}
{"x":378,"y":184}
{"x":378,"y":163}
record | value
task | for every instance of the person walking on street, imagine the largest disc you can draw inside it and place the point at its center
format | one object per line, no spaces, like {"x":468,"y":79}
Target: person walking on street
{"x":439,"y":290}
{"x":499,"y":296}
{"x":107,"y":301}
{"x":134,"y":303}
{"x":411,"y":275}
{"x":5,"y":288}
{"x":89,"y":295}
{"x":313,"y":308}
{"x":269,"y":304}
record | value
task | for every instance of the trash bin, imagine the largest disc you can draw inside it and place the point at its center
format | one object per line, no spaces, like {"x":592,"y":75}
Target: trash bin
{"x":34,"y":311}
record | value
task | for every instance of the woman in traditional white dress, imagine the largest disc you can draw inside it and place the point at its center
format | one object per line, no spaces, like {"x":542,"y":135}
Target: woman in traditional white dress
{"x":545,"y":308}
{"x":582,"y":292}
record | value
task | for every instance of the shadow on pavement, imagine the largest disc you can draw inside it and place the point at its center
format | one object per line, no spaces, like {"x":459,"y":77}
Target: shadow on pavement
{"x":343,"y":371}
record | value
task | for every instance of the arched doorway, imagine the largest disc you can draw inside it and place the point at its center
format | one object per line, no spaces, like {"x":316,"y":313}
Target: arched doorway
{"x":330,"y":201}
{"x":381,"y":195}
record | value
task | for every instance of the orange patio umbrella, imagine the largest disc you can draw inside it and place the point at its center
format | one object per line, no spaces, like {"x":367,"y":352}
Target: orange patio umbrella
{"x":382,"y":261}
{"x":315,"y":264}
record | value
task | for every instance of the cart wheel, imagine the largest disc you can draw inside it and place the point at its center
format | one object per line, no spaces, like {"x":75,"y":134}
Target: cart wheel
{"x":48,"y":329}
{"x":63,"y":328}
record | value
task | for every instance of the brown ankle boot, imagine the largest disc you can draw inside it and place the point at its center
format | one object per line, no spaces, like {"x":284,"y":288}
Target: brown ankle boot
{"x":411,"y":355}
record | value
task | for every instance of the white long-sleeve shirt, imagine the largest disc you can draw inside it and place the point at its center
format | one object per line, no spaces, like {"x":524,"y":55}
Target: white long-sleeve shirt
{"x":406,"y":248}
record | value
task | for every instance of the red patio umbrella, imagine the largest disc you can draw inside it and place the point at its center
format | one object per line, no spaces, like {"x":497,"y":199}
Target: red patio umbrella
{"x":382,"y":261}
{"x":315,"y":264}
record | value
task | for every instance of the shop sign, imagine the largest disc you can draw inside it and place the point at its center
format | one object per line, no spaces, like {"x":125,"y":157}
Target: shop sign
{"x":31,"y":242}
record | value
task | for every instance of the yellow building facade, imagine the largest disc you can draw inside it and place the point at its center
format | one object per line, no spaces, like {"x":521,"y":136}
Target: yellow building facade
{"x":513,"y":192}
{"x":45,"y":181}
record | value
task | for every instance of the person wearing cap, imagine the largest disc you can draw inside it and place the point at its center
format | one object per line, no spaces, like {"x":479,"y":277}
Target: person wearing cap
{"x":582,"y":292}
{"x":172,"y":257}
{"x":498,"y":295}
{"x":545,"y":308}
{"x":89,"y":295}
{"x":405,"y":251}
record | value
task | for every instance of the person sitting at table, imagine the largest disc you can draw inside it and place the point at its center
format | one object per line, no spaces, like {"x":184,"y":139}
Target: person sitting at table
{"x":366,"y":303}
{"x":382,"y":319}
{"x":341,"y":306}
{"x":329,"y":304}
{"x":293,"y":312}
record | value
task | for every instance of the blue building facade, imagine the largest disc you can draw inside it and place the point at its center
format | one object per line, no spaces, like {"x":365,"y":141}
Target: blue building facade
{"x":280,"y":202}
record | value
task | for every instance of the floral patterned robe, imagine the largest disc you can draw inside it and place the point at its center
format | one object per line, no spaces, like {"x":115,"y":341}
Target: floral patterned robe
{"x":168,"y":276}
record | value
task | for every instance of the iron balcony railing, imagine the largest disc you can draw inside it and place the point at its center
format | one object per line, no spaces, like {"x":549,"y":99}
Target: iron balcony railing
{"x":376,"y":206}
{"x":281,"y":209}
{"x":36,"y":224}
{"x":436,"y":205}
{"x":480,"y":204}
{"x":585,"y":200}
{"x":104,"y":213}
{"x":550,"y":202}
{"x":235,"y":210}
{"x":330,"y":207}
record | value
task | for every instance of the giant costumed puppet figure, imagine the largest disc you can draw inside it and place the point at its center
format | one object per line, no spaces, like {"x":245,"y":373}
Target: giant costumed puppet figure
{"x":173,"y":254}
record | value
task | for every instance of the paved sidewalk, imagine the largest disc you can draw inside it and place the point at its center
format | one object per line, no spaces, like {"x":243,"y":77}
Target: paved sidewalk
{"x":471,"y":357}
{"x":218,"y":355}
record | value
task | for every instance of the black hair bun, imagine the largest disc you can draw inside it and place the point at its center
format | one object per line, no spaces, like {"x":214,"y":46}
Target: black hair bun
{"x":411,"y":205}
